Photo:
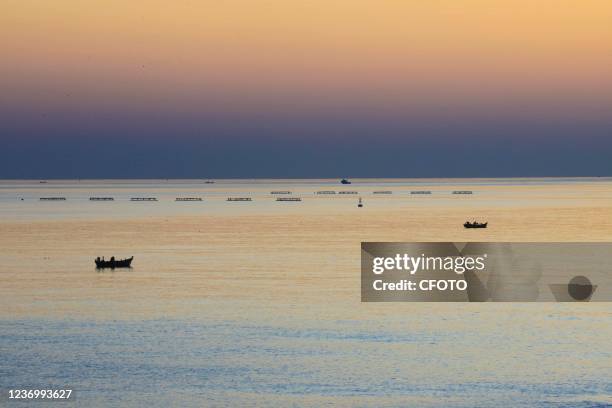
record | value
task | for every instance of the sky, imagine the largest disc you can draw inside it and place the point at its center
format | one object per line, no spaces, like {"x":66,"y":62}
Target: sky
{"x":305,"y":88}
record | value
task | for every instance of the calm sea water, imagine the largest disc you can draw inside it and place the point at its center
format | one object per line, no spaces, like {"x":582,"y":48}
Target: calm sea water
{"x":258,"y":303}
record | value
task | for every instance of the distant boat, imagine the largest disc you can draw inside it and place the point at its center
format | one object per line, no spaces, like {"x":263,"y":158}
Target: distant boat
{"x":345,"y":181}
{"x":122,"y":263}
{"x":475,"y":224}
{"x":360,"y":203}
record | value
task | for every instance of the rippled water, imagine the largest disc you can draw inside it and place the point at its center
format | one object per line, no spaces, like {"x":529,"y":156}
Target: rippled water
{"x":187,"y":362}
{"x":259,"y":304}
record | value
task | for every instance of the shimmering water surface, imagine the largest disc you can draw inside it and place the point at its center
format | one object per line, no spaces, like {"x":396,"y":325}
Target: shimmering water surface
{"x":258,"y":303}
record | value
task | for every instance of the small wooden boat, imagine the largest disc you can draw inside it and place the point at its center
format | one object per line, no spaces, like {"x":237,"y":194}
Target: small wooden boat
{"x":345,"y":181}
{"x":121,"y":263}
{"x":475,"y":224}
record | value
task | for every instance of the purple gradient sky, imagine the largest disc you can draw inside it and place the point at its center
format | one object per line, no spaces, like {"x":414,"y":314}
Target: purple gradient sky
{"x":305,"y":89}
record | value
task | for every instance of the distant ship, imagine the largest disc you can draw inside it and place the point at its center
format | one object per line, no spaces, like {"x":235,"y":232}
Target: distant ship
{"x":345,"y":181}
{"x":475,"y":224}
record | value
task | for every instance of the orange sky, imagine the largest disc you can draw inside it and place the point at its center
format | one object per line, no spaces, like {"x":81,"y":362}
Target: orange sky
{"x":542,"y":56}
